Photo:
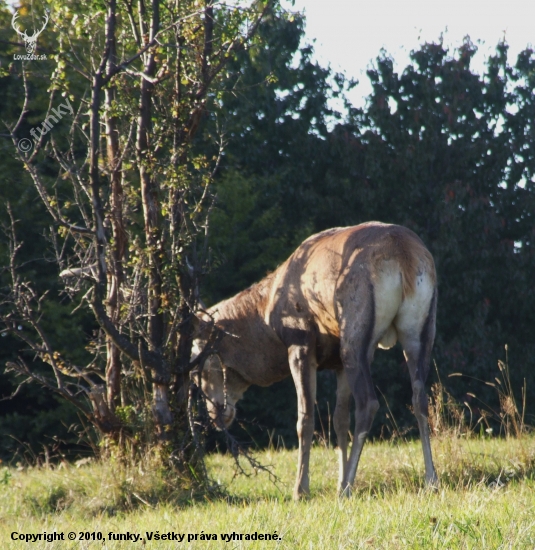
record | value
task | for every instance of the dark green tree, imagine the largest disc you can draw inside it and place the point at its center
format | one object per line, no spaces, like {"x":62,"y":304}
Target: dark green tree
{"x":35,"y":417}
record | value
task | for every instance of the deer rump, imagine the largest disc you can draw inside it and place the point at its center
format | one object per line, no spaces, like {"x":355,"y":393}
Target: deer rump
{"x":341,"y":294}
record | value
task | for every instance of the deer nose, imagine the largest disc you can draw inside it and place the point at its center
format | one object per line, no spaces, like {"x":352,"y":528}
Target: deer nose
{"x":222,"y":417}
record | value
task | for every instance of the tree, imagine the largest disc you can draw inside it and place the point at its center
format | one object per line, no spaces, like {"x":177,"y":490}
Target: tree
{"x":128,"y":197}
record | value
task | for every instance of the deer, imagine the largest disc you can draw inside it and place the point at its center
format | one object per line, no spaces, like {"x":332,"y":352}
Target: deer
{"x":340,"y":295}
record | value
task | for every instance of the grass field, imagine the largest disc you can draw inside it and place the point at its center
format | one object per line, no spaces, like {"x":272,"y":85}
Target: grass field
{"x":486,"y":500}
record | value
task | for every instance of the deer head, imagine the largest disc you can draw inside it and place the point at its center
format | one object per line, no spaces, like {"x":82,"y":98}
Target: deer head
{"x":30,"y":41}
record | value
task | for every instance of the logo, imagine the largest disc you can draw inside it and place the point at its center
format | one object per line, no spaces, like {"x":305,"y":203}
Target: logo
{"x":30,"y":41}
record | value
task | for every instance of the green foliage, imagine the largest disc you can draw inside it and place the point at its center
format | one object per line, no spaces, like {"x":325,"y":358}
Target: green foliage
{"x":273,"y":115}
{"x":443,"y":159}
{"x":34,"y":416}
{"x":5,"y":476}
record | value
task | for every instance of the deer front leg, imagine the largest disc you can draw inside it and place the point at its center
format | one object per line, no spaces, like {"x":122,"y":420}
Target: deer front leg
{"x":303,"y":368}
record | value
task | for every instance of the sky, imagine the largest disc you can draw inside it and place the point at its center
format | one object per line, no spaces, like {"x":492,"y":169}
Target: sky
{"x":349,"y":34}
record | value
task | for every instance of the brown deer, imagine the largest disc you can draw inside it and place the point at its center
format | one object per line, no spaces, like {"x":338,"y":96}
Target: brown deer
{"x":339,"y":296}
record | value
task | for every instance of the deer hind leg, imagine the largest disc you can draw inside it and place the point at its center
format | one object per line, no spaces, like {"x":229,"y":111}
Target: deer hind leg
{"x":366,"y":406}
{"x":341,"y":424}
{"x":357,"y":347}
{"x":417,"y":338}
{"x":303,"y":367}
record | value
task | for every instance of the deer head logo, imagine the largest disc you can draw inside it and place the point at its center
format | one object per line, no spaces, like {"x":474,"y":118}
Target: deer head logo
{"x":30,"y":41}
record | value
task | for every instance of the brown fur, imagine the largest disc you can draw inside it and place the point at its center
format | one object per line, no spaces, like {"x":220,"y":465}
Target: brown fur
{"x":250,"y":299}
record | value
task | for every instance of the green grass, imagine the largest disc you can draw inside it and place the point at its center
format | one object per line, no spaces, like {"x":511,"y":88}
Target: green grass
{"x":486,"y":500}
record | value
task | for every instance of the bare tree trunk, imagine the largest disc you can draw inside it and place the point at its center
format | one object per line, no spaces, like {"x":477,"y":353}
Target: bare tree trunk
{"x":151,"y":213}
{"x":104,"y":418}
{"x":115,"y":274}
{"x":109,"y":418}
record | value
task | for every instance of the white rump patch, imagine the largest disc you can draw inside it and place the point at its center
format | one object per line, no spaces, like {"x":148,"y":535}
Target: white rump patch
{"x":388,"y":296}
